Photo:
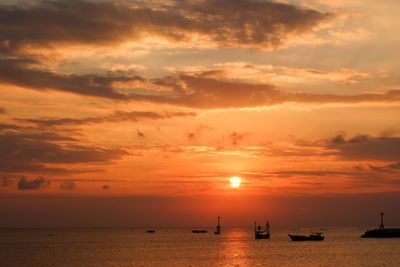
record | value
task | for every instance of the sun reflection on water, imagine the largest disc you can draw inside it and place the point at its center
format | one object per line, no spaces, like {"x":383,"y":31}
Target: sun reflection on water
{"x":234,"y":250}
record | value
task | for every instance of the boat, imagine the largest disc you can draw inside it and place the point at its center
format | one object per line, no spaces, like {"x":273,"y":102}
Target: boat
{"x":382,"y":232}
{"x":218,"y":230}
{"x":150,"y":231}
{"x":261,"y":234}
{"x":312,"y":237}
{"x":199,"y":231}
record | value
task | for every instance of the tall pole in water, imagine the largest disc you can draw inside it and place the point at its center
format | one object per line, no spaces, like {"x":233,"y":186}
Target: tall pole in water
{"x":381,"y":226}
{"x":218,"y":230}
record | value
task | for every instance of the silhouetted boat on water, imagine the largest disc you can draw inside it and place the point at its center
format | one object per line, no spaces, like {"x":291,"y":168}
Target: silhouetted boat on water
{"x":382,"y":232}
{"x":218,"y":230}
{"x":199,"y":231}
{"x":312,"y":237}
{"x":150,"y":231}
{"x":261,"y":234}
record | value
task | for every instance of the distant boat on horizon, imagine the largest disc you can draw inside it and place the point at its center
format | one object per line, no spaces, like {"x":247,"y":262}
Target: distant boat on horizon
{"x":261,"y":234}
{"x":218,"y":230}
{"x":150,"y":231}
{"x":382,"y":232}
{"x":199,"y":231}
{"x":312,"y":237}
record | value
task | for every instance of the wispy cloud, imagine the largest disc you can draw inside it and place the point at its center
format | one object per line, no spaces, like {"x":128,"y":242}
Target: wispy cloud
{"x":117,"y":116}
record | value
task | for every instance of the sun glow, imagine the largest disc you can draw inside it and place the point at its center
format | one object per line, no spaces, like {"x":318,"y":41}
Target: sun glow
{"x":235,"y":181}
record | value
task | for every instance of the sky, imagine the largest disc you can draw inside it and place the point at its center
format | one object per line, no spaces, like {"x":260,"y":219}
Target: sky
{"x":122,"y":113}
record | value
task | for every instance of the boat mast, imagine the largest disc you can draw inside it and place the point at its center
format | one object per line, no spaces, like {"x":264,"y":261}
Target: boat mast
{"x":381,"y":226}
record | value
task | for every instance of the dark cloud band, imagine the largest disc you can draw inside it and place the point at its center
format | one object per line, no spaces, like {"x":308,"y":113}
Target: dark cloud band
{"x":239,"y":23}
{"x":194,"y":90}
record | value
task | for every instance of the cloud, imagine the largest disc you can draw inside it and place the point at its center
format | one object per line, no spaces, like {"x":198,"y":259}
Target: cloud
{"x":202,"y":89}
{"x":37,"y":183}
{"x":236,"y":138}
{"x":25,"y":73}
{"x":240,"y":23}
{"x":366,"y":147}
{"x":67,"y":185}
{"x":6,"y":126}
{"x":282,"y":75}
{"x":389,"y":168}
{"x":139,"y":133}
{"x":391,"y":96}
{"x":40,"y":151}
{"x":195,"y":134}
{"x":198,"y":91}
{"x":117,"y":116}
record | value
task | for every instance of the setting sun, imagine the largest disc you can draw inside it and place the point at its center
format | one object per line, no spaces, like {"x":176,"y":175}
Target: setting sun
{"x":235,"y":181}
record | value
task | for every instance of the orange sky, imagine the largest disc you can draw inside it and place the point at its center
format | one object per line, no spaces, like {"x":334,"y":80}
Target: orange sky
{"x":156,"y":104}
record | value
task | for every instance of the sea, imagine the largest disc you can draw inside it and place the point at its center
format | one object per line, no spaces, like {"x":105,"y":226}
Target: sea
{"x":180,"y":247}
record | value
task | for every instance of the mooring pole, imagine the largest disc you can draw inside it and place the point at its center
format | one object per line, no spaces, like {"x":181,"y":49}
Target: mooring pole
{"x":381,"y":226}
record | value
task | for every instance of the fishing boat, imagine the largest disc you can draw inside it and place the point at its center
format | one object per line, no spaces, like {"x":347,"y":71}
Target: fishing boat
{"x":312,"y":237}
{"x":150,"y":231}
{"x":199,"y":231}
{"x":261,"y":234}
{"x":382,"y":232}
{"x":218,"y":230}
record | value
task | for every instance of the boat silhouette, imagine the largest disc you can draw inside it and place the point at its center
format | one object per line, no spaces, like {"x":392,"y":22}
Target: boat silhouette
{"x":218,"y":230}
{"x":261,"y":234}
{"x":312,"y":237}
{"x":199,"y":231}
{"x":150,"y":231}
{"x":382,"y":232}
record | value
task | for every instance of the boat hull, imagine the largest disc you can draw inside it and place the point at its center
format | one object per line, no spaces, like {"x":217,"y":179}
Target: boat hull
{"x":261,"y":236}
{"x":382,"y":233}
{"x":306,"y":238}
{"x":199,"y":231}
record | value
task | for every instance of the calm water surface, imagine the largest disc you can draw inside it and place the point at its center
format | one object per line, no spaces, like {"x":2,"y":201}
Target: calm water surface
{"x":179,"y":247}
